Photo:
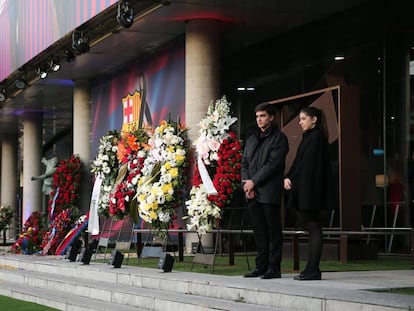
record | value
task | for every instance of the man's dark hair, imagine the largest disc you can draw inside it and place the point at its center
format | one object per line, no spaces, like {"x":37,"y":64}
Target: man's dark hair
{"x":265,"y":107}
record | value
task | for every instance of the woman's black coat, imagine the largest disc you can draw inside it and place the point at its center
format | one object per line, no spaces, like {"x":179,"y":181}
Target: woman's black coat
{"x":310,"y":173}
{"x":264,"y":163}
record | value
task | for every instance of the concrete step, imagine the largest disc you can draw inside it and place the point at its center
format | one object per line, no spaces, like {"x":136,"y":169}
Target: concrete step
{"x":223,"y":288}
{"x":152,"y":289}
{"x":59,"y":300}
{"x":107,"y":293}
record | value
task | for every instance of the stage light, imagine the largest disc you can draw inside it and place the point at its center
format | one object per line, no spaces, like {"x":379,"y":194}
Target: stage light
{"x":80,"y":42}
{"x":85,"y":255}
{"x":74,"y":249}
{"x":125,"y":16}
{"x":116,"y":259}
{"x":2,"y":96}
{"x":42,"y":72}
{"x":54,"y":64}
{"x":166,"y":262}
{"x":20,"y":84}
{"x":69,"y":55}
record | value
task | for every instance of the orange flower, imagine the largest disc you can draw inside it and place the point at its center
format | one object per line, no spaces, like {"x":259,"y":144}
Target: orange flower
{"x":121,"y":151}
{"x":131,"y":141}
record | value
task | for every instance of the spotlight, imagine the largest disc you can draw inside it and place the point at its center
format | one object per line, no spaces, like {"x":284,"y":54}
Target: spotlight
{"x":125,"y":15}
{"x":116,"y":259}
{"x":85,"y":255}
{"x":2,"y":96}
{"x":42,"y":72}
{"x":166,"y":263}
{"x":20,"y":84}
{"x":69,"y":55}
{"x":80,"y":42}
{"x":54,"y":64}
{"x":73,"y":251}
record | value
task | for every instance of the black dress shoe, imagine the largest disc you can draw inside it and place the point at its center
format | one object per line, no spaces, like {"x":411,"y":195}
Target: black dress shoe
{"x":271,"y":274}
{"x":254,"y":274}
{"x":308,"y":277}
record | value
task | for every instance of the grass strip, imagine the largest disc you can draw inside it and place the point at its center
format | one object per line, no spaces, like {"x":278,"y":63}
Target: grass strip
{"x":8,"y":303}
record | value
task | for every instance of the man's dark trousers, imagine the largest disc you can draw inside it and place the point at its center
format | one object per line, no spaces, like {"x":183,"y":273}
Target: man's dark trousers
{"x":268,"y":235}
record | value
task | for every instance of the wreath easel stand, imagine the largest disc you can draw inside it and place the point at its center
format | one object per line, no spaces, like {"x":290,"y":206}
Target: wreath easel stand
{"x":207,"y":259}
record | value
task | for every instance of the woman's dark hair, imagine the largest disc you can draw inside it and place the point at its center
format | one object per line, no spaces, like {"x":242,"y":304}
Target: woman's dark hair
{"x":320,"y":118}
{"x":265,"y":107}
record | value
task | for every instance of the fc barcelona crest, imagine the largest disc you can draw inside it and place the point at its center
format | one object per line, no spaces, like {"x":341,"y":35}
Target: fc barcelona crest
{"x":135,"y":109}
{"x":132,"y":106}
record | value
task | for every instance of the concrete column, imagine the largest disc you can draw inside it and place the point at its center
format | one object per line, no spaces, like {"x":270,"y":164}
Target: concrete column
{"x":32,"y":156}
{"x":81,"y":138}
{"x":9,"y":178}
{"x":202,"y":70}
{"x":202,"y":82}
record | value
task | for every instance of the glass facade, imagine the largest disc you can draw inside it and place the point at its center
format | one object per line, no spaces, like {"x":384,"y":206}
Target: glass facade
{"x":376,"y":42}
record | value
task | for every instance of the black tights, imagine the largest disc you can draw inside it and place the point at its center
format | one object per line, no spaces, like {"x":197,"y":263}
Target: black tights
{"x":315,"y":241}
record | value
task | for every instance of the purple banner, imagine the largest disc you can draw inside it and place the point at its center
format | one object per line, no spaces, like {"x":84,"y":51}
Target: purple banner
{"x":30,"y":26}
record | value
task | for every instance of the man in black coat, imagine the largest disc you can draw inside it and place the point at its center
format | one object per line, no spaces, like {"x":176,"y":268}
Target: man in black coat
{"x":262,"y":173}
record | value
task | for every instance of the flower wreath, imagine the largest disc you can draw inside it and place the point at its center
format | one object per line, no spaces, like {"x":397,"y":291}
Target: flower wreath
{"x":6,"y":215}
{"x":163,"y":178}
{"x":58,"y":228}
{"x":29,"y":240}
{"x":131,"y":154}
{"x":63,"y":209}
{"x":66,"y":184}
{"x":220,"y":150}
{"x":106,"y":166}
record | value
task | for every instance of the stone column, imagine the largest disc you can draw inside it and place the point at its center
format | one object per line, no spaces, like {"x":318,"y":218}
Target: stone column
{"x":32,"y":165}
{"x":9,"y":178}
{"x":81,"y":138}
{"x":202,"y":81}
{"x":202,"y":70}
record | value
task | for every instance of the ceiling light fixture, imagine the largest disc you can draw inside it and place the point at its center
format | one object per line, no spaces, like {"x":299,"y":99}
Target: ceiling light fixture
{"x":69,"y":56}
{"x":42,"y":72}
{"x":20,"y":84}
{"x":54,"y":64}
{"x":2,"y":96}
{"x":246,"y":89}
{"x":80,"y":42}
{"x":125,"y":16}
{"x":339,"y":57}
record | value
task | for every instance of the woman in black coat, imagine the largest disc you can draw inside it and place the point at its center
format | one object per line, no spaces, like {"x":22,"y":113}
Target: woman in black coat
{"x":308,"y":181}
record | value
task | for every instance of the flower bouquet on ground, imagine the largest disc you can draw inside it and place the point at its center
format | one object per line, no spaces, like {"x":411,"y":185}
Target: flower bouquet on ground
{"x":105,"y":166}
{"x":131,"y":154}
{"x":160,"y":188}
{"x":217,"y":173}
{"x":29,"y":241}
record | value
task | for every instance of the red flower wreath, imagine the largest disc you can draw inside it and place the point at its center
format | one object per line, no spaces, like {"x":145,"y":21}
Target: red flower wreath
{"x":126,"y":190}
{"x":63,"y":210}
{"x":227,"y":173}
{"x":31,"y":236}
{"x":66,"y":183}
{"x":58,"y":228}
